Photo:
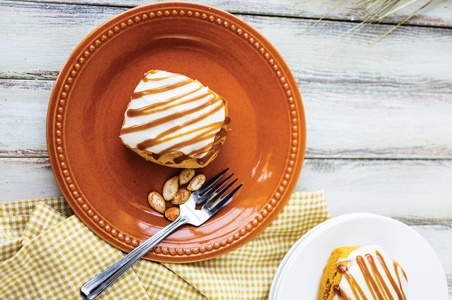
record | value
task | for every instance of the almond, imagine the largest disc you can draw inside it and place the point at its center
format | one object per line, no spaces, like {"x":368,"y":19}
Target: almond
{"x":186,"y":175}
{"x":170,"y":188}
{"x":172,"y":213}
{"x":181,"y":196}
{"x":197,"y":182}
{"x":156,"y":202}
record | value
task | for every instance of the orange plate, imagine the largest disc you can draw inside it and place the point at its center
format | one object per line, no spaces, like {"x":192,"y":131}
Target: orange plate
{"x":107,"y":184}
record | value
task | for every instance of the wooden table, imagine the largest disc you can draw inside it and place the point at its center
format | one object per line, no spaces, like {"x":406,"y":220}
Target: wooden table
{"x":379,"y":115}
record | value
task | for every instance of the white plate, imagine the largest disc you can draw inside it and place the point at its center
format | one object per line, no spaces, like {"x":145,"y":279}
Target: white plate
{"x":300,"y":271}
{"x":284,"y":263}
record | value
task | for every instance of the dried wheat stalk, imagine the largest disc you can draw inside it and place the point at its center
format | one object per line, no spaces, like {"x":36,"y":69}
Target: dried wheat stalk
{"x":377,"y":11}
{"x":380,"y":9}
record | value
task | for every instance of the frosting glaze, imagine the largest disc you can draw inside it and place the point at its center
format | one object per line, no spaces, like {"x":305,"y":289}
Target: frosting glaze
{"x":370,"y":273}
{"x":172,"y":113}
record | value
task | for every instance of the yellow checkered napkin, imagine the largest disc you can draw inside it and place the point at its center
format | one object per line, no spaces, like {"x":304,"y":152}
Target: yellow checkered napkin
{"x":46,"y":252}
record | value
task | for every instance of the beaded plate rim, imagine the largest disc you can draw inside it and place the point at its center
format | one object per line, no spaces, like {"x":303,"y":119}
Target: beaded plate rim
{"x":103,"y":34}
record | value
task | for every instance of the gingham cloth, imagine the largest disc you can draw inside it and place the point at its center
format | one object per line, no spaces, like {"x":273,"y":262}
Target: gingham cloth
{"x":46,"y":252}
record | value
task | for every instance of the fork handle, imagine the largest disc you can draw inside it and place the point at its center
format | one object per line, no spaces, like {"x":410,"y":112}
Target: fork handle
{"x":93,"y":288}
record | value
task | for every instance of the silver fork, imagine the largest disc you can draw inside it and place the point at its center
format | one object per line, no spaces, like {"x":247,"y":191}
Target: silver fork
{"x":212,"y":192}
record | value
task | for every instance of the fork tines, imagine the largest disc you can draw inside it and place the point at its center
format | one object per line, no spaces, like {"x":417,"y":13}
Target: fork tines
{"x":212,"y":181}
{"x":214,"y":193}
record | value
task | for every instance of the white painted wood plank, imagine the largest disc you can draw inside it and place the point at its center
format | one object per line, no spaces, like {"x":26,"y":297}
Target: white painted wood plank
{"x":40,"y":37}
{"x":28,"y":178}
{"x":440,"y":238}
{"x":412,"y":59}
{"x":416,"y":59}
{"x":416,"y":190}
{"x":23,"y":113}
{"x":380,"y":121}
{"x":377,"y":124}
{"x":436,"y":14}
{"x":340,"y":123}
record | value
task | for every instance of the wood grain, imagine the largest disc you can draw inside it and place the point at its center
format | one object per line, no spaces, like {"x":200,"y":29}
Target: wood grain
{"x":26,"y":178}
{"x":341,"y":123}
{"x":348,"y":10}
{"x":391,"y":100}
{"x":378,"y":115}
{"x":415,"y":191}
{"x":23,"y":111}
{"x":412,"y":58}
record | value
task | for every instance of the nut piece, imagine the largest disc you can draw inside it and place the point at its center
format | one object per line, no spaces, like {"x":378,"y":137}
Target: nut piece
{"x":170,"y":188}
{"x":156,"y":202}
{"x":197,"y":182}
{"x":181,"y":196}
{"x":172,"y":213}
{"x":186,"y":175}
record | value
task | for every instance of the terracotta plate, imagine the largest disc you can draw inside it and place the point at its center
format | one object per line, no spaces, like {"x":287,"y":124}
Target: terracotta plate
{"x":107,"y":184}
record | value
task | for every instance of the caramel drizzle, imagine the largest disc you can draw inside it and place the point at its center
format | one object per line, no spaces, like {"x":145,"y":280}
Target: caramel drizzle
{"x":356,"y":289}
{"x":207,"y":132}
{"x":169,"y":118}
{"x":165,"y":136}
{"x":158,"y":107}
{"x":201,"y":137}
{"x":160,"y":89}
{"x":146,"y":79}
{"x":374,"y":279}
{"x":213,"y":150}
